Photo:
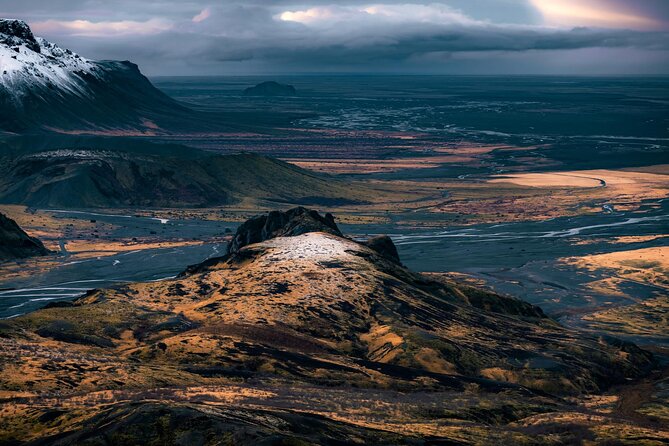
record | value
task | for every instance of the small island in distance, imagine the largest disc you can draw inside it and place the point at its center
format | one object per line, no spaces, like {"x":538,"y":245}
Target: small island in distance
{"x":271,"y":88}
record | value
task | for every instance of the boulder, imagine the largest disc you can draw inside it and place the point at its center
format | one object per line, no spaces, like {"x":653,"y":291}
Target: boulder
{"x":384,"y":245}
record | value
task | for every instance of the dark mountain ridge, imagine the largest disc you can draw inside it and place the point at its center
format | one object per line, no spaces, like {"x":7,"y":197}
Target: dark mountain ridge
{"x":270,"y":89}
{"x":77,"y":172}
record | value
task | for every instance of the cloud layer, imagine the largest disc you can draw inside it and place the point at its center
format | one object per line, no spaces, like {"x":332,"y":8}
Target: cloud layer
{"x":452,"y":36}
{"x":86,"y":28}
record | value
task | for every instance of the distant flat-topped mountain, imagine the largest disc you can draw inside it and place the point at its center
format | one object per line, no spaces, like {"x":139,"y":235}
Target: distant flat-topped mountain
{"x":45,"y":87}
{"x":15,"y":243}
{"x":270,"y":88}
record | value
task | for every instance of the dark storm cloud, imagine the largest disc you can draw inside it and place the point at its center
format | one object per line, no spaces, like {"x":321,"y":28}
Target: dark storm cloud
{"x":199,"y":36}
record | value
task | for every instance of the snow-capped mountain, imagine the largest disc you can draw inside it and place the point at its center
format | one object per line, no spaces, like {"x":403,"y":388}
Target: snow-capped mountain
{"x":46,"y":88}
{"x":28,"y":62}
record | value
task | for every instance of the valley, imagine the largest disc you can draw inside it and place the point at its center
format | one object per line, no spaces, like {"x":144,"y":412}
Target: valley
{"x":172,"y":288}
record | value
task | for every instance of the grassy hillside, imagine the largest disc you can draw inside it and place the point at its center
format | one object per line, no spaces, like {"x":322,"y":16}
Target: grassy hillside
{"x":313,"y":339}
{"x":85,"y":172}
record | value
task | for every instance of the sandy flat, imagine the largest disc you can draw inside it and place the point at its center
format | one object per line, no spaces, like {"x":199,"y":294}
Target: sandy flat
{"x":585,"y":179}
{"x":433,"y":157}
{"x":102,"y":248}
{"x":550,"y":180}
{"x":658,"y":256}
{"x":366,"y":166}
{"x":646,"y":265}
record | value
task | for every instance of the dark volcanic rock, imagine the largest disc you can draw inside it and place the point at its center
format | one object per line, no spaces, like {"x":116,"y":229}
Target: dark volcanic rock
{"x":270,"y":88}
{"x":294,"y":222}
{"x":384,"y":245}
{"x":17,"y":32}
{"x":15,"y":243}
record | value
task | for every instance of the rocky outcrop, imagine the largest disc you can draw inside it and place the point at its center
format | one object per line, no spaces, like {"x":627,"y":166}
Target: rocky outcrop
{"x":300,"y":221}
{"x":384,"y":245}
{"x":15,"y":243}
{"x":17,"y":33}
{"x":294,"y":222}
{"x":270,"y":88}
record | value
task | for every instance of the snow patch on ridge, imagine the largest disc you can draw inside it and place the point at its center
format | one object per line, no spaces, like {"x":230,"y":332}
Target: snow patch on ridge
{"x":311,"y":247}
{"x":76,"y":154}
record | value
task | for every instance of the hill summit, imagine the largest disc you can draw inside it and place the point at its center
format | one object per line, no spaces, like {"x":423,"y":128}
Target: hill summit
{"x":305,"y":339}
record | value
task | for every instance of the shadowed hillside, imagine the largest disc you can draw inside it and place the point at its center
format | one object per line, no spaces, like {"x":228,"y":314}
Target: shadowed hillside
{"x":15,"y":243}
{"x":87,"y":173}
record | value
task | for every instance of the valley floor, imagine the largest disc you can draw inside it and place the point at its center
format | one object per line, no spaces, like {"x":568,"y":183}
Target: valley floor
{"x":583,"y":234}
{"x":595,"y":268}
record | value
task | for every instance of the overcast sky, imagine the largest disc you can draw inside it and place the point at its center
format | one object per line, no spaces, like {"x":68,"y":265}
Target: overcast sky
{"x":192,"y":37}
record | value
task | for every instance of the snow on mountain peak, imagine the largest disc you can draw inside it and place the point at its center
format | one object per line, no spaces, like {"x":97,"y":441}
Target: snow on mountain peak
{"x":16,"y":33}
{"x":29,"y":63}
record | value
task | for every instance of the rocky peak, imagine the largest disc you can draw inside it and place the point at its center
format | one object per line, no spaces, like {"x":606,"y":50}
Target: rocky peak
{"x":296,"y":221}
{"x":16,"y":33}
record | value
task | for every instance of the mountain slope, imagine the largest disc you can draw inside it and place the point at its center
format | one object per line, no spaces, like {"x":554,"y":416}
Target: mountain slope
{"x":345,"y":297}
{"x":300,"y":340}
{"x":15,"y":243}
{"x":45,"y":87}
{"x":48,"y":89}
{"x":76,"y":174}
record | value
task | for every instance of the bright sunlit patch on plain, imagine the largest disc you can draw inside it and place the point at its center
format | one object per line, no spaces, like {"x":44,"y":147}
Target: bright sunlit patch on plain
{"x":591,"y":13}
{"x":102,"y":29}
